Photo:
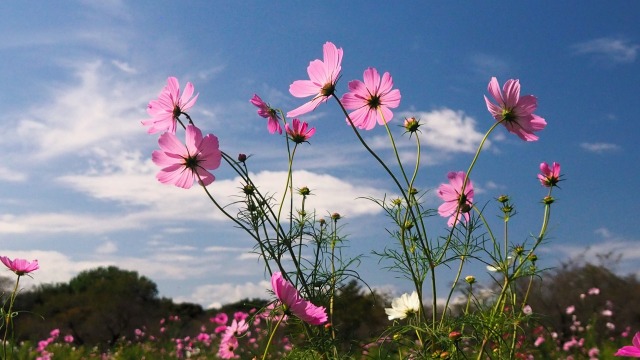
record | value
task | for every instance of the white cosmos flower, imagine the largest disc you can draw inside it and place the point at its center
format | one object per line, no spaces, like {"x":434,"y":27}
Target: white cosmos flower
{"x":403,"y":306}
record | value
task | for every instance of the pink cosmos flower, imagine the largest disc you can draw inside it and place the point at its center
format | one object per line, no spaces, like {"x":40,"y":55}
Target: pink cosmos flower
{"x":292,"y":302}
{"x":227,"y":348}
{"x":515,"y":111}
{"x":240,"y":315}
{"x":236,"y":328}
{"x":265,"y":111}
{"x":169,"y":105}
{"x":456,"y":203}
{"x":20,"y":266}
{"x":549,"y":176}
{"x":631,"y":351}
{"x":594,"y":290}
{"x":323,"y":76}
{"x":298,"y":131}
{"x":371,"y":99}
{"x":220,"y":329}
{"x":220,"y":318}
{"x":204,"y":338}
{"x":181,"y":165}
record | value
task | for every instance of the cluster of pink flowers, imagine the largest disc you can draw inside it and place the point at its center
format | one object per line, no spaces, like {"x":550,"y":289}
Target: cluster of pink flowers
{"x":43,"y":344}
{"x":181,"y":164}
{"x":247,"y":326}
{"x":229,"y":336}
{"x":515,"y":112}
{"x":578,"y":341}
{"x":370,"y":100}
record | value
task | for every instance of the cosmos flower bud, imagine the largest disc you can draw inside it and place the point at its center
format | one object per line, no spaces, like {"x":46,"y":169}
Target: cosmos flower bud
{"x":248,"y":189}
{"x":519,"y":249}
{"x":455,"y":335}
{"x":411,"y":124}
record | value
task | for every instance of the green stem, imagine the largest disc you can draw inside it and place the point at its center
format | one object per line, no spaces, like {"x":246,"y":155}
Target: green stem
{"x":9,"y":318}
{"x":266,"y":348}
{"x":403,"y":191}
{"x":334,"y":239}
{"x":453,"y":286}
{"x":289,"y":185}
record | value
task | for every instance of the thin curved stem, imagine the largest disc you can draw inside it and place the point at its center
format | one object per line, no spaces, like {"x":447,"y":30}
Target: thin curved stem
{"x":8,"y":321}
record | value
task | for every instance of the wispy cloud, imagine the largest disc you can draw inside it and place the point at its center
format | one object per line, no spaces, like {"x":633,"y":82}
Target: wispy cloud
{"x":142,"y":202}
{"x":214,"y":295}
{"x":183,"y":263}
{"x":615,"y":50}
{"x":108,"y":247}
{"x":448,"y":131}
{"x":12,"y":175}
{"x":608,"y":245}
{"x":102,"y":108}
{"x":599,"y":147}
{"x":123,"y":66}
{"x":489,"y":65}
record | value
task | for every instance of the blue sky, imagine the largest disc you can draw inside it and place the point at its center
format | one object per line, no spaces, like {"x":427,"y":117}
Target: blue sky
{"x":77,"y":184}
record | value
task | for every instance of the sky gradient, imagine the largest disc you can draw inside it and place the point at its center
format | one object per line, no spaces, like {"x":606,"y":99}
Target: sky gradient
{"x":78,"y":187}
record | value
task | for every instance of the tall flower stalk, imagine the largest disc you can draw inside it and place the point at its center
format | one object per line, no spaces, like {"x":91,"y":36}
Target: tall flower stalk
{"x":20,"y":267}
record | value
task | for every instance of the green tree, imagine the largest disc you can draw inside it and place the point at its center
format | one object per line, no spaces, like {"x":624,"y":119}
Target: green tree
{"x":98,"y":307}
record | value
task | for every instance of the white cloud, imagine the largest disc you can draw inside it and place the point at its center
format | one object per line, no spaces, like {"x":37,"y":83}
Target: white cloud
{"x":68,"y":222}
{"x":215,"y":295}
{"x":444,"y":132}
{"x":227,"y":249}
{"x":99,"y":109}
{"x":12,"y":175}
{"x":615,"y":50}
{"x":108,"y":247}
{"x":124,"y":67}
{"x":449,"y":131}
{"x":129,"y":180}
{"x":55,"y":267}
{"x":609,"y":243}
{"x":143,"y":202}
{"x":599,"y":147}
{"x":181,"y":265}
